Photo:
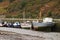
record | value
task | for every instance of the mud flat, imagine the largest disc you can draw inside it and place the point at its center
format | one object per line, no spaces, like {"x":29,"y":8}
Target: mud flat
{"x":22,"y":34}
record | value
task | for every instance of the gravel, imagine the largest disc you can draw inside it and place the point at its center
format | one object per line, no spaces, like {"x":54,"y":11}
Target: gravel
{"x":21,"y":34}
{"x":15,"y":36}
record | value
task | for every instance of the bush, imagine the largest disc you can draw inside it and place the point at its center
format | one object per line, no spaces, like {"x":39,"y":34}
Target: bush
{"x":1,"y":0}
{"x":11,"y":0}
{"x":8,"y":16}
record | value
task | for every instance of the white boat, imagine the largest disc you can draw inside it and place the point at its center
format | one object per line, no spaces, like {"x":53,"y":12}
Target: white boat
{"x":47,"y":22}
{"x":17,"y":24}
{"x":26,"y":25}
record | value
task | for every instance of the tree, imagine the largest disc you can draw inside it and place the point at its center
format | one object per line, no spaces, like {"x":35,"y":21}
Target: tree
{"x":2,"y":11}
{"x":11,"y":0}
{"x":1,"y":0}
{"x":23,"y":4}
{"x":49,"y":14}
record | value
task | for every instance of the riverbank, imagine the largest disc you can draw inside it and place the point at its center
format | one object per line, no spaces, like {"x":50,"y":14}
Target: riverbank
{"x":4,"y":35}
{"x":22,"y":34}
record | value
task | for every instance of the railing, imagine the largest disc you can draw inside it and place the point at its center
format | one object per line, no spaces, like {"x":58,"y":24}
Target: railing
{"x":17,"y":19}
{"x":23,"y":19}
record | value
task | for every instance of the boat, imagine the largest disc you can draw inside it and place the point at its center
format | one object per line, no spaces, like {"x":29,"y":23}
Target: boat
{"x":17,"y":25}
{"x":1,"y":23}
{"x":47,"y":22}
{"x":26,"y":24}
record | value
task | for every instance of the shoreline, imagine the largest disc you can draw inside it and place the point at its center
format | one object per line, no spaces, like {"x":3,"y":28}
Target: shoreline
{"x":28,"y":34}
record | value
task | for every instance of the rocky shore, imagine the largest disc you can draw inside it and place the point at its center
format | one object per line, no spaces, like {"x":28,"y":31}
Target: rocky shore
{"x":15,"y":36}
{"x":21,"y":34}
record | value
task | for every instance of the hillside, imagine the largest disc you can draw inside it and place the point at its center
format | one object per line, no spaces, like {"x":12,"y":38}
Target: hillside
{"x":30,"y":8}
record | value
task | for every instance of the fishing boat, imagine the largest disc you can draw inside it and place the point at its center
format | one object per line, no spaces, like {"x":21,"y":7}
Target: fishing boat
{"x":47,"y":22}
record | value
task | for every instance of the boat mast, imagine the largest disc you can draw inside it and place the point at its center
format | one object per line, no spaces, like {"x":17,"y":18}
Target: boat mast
{"x":24,"y":14}
{"x":40,"y":15}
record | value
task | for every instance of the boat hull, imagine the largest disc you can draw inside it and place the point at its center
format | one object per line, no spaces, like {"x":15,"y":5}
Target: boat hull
{"x":25,"y":25}
{"x":48,"y":24}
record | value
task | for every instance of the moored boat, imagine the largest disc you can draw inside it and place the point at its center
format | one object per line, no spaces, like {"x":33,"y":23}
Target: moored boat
{"x":47,"y":22}
{"x":26,"y":24}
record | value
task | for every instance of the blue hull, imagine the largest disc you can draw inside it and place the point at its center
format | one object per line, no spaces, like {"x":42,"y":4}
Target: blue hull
{"x":48,"y":24}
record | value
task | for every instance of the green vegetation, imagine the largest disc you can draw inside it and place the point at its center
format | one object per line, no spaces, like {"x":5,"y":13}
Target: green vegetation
{"x":3,"y":11}
{"x":8,"y":16}
{"x":11,"y":0}
{"x":1,"y":0}
{"x":51,"y":8}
